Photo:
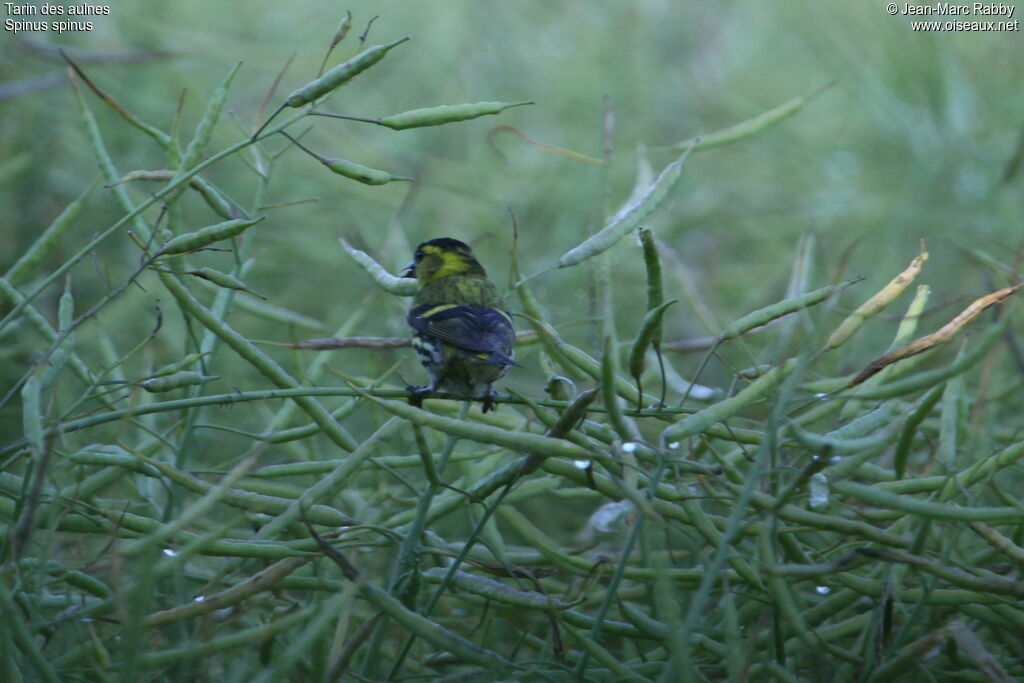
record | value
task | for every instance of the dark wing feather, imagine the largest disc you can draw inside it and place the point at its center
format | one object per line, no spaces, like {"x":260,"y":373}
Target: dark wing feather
{"x":473,"y":328}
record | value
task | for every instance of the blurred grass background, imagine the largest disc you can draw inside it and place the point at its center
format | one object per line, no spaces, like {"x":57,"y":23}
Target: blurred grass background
{"x":912,"y":142}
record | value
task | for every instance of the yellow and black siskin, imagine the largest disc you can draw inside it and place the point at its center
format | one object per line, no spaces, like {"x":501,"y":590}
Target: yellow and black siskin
{"x":460,"y":332}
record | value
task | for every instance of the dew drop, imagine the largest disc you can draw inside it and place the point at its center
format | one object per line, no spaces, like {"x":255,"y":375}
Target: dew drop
{"x":581,"y":464}
{"x":673,"y":446}
{"x":819,"y":490}
{"x":629,"y":447}
{"x":199,"y":598}
{"x":822,"y":590}
{"x":170,"y":553}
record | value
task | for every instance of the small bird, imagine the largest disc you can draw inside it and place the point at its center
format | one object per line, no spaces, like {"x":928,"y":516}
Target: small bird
{"x":460,"y":332}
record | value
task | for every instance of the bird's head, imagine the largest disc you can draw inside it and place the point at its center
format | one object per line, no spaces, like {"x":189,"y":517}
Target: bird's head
{"x":440,"y":258}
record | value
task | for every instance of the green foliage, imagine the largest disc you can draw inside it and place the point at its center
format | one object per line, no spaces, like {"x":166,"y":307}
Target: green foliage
{"x":187,"y":492}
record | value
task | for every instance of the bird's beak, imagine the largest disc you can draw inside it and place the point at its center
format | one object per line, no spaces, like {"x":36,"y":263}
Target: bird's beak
{"x":409,"y":270}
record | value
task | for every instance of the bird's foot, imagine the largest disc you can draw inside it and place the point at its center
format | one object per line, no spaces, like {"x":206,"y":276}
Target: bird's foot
{"x":417,"y":394}
{"x":488,"y":403}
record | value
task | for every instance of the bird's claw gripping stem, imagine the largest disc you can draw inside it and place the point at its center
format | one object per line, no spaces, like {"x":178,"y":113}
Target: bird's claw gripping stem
{"x":417,"y":394}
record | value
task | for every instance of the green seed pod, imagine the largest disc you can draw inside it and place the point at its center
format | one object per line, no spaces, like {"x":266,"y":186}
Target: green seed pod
{"x":185,"y":362}
{"x":915,"y":506}
{"x":340,"y":74}
{"x":752,"y":126}
{"x":214,"y":199}
{"x":649,"y":329}
{"x":191,"y":241}
{"x":706,"y":528}
{"x":562,"y":428}
{"x":65,"y":308}
{"x":628,"y":217}
{"x":908,"y":325}
{"x":548,"y":339}
{"x":349,"y":169}
{"x":916,"y":417}
{"x":245,"y":500}
{"x":839,"y":444}
{"x":363,"y":174}
{"x":702,"y":420}
{"x":43,"y":327}
{"x":223,"y":280}
{"x":573,"y":359}
{"x":220,"y":205}
{"x":448,"y":113}
{"x":32,"y":413}
{"x":74,"y":578}
{"x":950,"y":432}
{"x":604,"y":657}
{"x":999,"y":542}
{"x":868,"y":422}
{"x":204,"y":130}
{"x":585,"y":362}
{"x":497,"y":591}
{"x":572,"y":415}
{"x":103,"y":455}
{"x":35,"y":254}
{"x":58,"y":359}
{"x":652,"y":263}
{"x":185,"y":378}
{"x":159,"y":175}
{"x":648,"y":625}
{"x":767,"y":314}
{"x":609,"y":393}
{"x":401,"y":286}
{"x":275,"y":314}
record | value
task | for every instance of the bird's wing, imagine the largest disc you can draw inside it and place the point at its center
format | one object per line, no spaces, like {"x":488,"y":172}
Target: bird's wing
{"x":473,"y":328}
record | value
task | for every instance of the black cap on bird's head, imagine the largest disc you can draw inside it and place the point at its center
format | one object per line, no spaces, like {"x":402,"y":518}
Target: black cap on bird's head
{"x":441,"y":257}
{"x":447,"y":244}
